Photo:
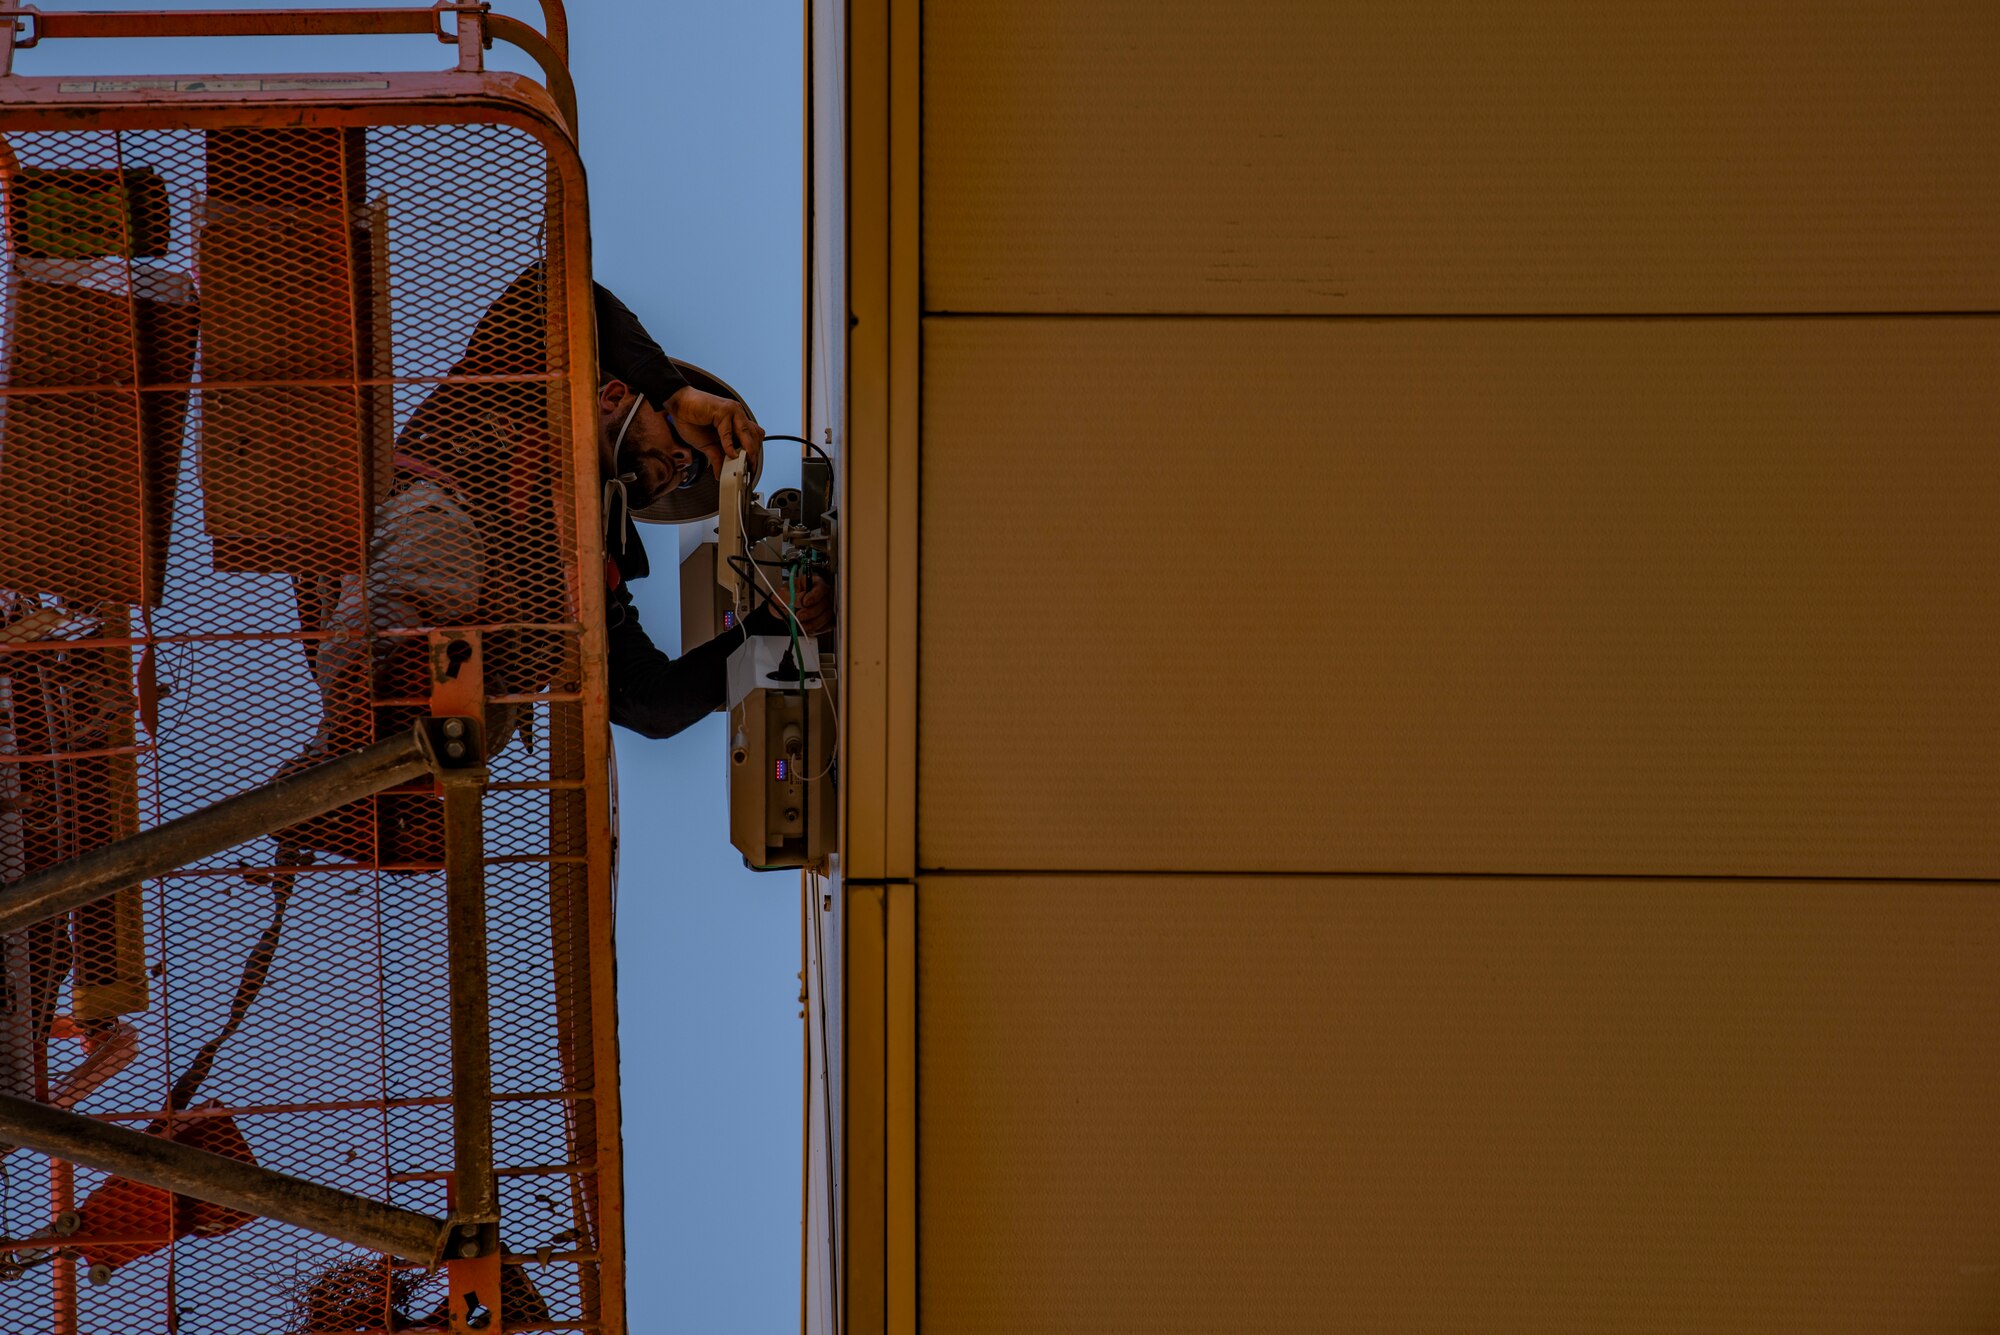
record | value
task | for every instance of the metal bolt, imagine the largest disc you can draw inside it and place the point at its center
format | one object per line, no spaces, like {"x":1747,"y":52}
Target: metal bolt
{"x":68,"y":1222}
{"x":100,"y":1274}
{"x":791,"y":813}
{"x":454,"y":727}
{"x":468,"y":1250}
{"x":468,"y":1230}
{"x":455,"y":750}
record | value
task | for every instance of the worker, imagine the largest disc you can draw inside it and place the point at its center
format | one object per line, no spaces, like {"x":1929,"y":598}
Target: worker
{"x":659,"y":435}
{"x":471,"y":467}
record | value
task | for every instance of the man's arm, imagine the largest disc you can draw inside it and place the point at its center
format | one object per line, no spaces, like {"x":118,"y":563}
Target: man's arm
{"x":720,"y":428}
{"x":652,"y":694}
{"x":657,"y":696}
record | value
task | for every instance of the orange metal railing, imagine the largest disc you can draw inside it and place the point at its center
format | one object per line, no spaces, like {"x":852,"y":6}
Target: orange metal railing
{"x":295,"y":447}
{"x":476,"y":29}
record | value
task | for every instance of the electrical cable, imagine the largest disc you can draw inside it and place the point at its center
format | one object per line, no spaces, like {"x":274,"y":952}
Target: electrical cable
{"x":824,"y":313}
{"x":794,"y":628}
{"x":743,"y":514}
{"x":791,"y":616}
{"x":833,"y":753}
{"x":801,"y":440}
{"x":825,"y":1081}
{"x":799,"y":666}
{"x":766,"y":602}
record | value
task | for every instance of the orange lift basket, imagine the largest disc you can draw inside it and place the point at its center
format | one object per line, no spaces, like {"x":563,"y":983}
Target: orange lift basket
{"x":306,"y":1009}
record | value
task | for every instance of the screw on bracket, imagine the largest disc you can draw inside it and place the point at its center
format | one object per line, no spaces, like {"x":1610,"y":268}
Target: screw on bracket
{"x":452,"y":746}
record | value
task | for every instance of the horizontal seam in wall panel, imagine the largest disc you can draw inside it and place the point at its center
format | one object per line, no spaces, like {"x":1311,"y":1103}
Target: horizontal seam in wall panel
{"x":1769,"y":879}
{"x":1408,"y":316}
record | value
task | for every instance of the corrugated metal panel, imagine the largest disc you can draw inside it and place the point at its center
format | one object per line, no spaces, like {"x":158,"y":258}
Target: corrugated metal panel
{"x":1176,"y":1105}
{"x":1453,"y":155}
{"x":1702,"y":597}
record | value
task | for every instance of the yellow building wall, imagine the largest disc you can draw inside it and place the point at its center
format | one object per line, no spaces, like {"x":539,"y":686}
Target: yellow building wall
{"x":1688,"y":597}
{"x":1331,"y":157}
{"x":1424,"y":613}
{"x":1181,"y":1104}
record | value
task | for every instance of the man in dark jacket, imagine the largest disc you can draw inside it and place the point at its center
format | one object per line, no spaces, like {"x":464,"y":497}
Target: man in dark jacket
{"x":661,"y":443}
{"x":462,"y":537}
{"x":474,"y":462}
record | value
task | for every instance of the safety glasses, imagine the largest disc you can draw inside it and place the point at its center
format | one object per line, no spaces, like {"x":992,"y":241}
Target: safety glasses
{"x":696,"y":467}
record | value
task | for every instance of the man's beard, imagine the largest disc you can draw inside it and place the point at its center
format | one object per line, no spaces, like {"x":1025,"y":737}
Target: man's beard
{"x":637,"y":495}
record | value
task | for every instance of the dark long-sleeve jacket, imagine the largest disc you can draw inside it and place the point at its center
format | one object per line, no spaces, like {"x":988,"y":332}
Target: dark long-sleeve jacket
{"x":652,"y":694}
{"x":626,"y":350}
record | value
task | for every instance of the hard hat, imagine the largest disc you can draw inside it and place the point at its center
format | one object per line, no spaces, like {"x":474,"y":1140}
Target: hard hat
{"x":701,"y":500}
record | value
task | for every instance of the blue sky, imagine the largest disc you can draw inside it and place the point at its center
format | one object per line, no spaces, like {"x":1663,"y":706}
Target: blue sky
{"x":692,"y":136}
{"x":692,"y":133}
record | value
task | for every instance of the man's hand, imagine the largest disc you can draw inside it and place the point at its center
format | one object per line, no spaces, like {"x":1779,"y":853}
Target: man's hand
{"x":720,"y":428}
{"x":815,"y":607}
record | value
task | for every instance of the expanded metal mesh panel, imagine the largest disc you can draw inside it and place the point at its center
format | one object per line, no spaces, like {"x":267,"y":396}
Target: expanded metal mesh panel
{"x":279,"y":406}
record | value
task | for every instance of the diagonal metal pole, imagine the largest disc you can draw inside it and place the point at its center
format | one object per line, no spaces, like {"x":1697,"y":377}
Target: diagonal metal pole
{"x":446,"y":746}
{"x":260,"y":811}
{"x":220,"y":1180}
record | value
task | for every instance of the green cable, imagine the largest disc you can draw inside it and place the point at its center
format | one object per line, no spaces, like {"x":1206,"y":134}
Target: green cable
{"x":798,"y":666}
